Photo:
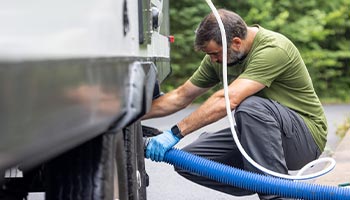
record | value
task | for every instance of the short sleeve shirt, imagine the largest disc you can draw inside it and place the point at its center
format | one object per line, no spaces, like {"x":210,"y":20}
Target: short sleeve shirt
{"x":275,"y":62}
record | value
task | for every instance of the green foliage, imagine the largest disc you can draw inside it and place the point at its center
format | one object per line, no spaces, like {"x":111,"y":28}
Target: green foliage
{"x":319,"y":28}
{"x":184,"y":18}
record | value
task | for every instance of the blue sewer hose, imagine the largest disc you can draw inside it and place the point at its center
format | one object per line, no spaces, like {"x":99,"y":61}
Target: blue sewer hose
{"x":252,"y":181}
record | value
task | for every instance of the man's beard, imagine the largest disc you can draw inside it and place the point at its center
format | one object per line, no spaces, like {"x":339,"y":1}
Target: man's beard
{"x":234,"y":56}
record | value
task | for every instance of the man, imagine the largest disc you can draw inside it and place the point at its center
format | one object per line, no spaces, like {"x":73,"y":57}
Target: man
{"x":280,"y":120}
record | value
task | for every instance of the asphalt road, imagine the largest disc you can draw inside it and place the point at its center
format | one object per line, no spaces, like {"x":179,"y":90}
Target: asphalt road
{"x":165,"y":184}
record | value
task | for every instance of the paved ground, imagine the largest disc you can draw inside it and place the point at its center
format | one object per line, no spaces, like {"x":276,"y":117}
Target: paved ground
{"x":165,"y":184}
{"x":341,"y":173}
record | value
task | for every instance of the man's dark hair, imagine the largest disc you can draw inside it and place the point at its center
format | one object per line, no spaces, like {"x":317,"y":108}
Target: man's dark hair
{"x":209,"y":29}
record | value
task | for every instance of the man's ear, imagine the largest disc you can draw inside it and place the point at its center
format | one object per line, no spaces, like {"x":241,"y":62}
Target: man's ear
{"x":236,"y":43}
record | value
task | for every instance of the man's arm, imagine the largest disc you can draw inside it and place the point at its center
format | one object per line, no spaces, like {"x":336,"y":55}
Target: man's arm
{"x":175,"y":100}
{"x":214,"y":108}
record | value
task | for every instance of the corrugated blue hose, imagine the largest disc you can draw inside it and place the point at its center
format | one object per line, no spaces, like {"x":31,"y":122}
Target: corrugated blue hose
{"x":252,"y":181}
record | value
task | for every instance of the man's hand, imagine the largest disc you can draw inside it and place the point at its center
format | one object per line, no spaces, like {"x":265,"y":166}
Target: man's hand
{"x":159,"y":144}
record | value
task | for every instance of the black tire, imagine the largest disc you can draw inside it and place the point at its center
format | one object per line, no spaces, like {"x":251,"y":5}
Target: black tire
{"x":135,"y":173}
{"x":104,"y":168}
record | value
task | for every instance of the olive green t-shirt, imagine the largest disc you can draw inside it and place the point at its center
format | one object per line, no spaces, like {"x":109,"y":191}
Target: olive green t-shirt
{"x":275,"y":62}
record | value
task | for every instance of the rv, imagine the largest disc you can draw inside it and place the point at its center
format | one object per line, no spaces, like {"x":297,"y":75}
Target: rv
{"x":75,"y":78}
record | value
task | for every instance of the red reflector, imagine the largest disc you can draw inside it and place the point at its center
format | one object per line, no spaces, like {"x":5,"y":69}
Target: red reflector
{"x":171,"y":39}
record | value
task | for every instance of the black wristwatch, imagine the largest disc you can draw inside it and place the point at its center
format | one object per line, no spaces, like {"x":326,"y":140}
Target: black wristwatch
{"x":176,"y":131}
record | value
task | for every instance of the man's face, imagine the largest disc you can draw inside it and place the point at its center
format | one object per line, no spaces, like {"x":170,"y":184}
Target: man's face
{"x":215,"y":52}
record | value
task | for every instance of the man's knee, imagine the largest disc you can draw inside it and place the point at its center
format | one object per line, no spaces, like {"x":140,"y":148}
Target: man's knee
{"x":251,"y":102}
{"x":252,"y":105}
{"x":255,"y":111}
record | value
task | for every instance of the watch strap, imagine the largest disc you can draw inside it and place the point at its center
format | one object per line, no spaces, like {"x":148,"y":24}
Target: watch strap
{"x":176,"y":131}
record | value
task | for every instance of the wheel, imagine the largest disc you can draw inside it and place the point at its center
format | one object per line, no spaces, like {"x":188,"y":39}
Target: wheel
{"x":133,"y":157}
{"x":105,"y":168}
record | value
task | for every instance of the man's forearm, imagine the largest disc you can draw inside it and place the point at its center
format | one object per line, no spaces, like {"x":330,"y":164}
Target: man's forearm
{"x":211,"y":111}
{"x":166,"y":105}
{"x":161,"y":109}
{"x":175,"y":100}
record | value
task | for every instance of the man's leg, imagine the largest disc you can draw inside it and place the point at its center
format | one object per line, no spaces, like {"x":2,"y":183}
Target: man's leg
{"x":274,"y":136}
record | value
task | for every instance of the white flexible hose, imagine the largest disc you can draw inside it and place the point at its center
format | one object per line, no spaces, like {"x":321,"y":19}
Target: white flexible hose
{"x":299,"y":175}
